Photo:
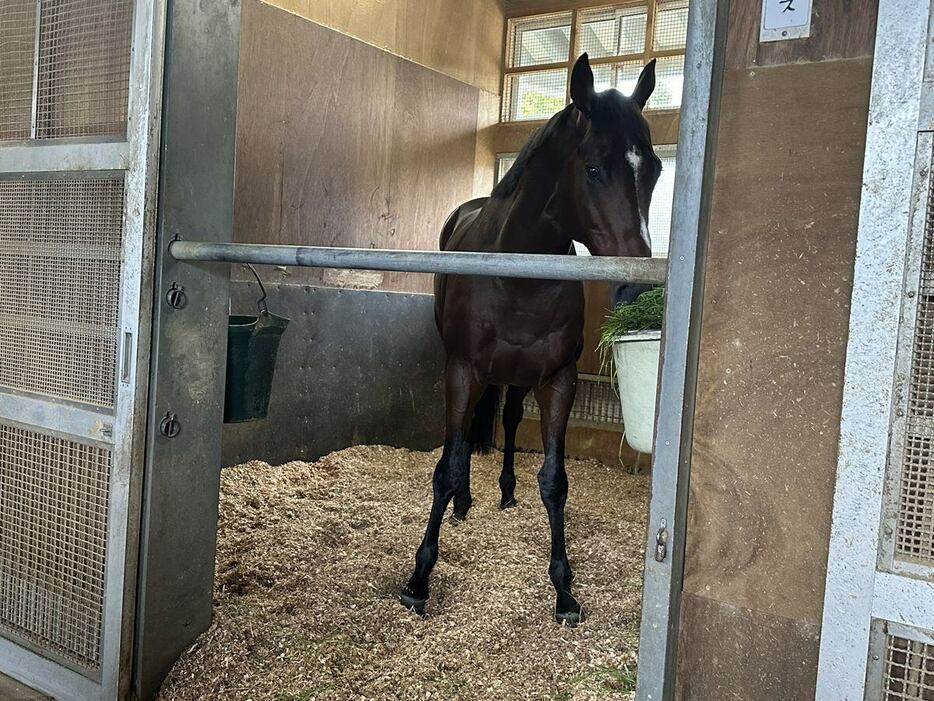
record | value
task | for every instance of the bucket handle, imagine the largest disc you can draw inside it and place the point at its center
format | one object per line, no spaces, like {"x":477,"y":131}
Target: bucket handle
{"x":261,"y":302}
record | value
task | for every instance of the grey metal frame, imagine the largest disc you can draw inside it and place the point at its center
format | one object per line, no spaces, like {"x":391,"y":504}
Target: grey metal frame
{"x":661,"y":597}
{"x":703,"y":71}
{"x":903,"y":360}
{"x":856,"y":590}
{"x":180,"y":495}
{"x":119,"y":430}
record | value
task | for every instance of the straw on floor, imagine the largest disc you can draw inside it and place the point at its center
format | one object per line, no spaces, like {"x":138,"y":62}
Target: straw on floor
{"x":311,"y":558}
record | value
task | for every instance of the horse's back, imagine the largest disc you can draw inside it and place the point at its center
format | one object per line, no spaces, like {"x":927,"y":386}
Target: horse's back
{"x":457,"y":222}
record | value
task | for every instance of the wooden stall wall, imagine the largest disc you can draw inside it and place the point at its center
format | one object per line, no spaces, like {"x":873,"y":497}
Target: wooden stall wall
{"x":773,"y":340}
{"x":460,"y":39}
{"x":343,"y":143}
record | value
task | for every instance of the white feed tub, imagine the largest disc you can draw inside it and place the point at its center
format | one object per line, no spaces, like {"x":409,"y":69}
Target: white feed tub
{"x":636,"y":358}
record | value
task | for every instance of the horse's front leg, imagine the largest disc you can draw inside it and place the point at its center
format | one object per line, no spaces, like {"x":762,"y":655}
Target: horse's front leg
{"x":461,"y":393}
{"x":512,"y":417}
{"x":555,"y":399}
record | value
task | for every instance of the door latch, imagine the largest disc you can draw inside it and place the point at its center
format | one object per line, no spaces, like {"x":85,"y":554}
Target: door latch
{"x":661,"y":541}
{"x":170,"y":425}
{"x":176,"y":297}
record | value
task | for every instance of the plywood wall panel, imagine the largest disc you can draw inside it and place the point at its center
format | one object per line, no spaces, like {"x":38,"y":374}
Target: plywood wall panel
{"x":738,"y":654}
{"x":773,"y":335}
{"x":840,"y":29}
{"x":461,"y":39}
{"x":348,"y":145}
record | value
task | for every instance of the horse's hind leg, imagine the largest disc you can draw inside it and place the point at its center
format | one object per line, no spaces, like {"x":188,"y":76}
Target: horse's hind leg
{"x":462,"y":392}
{"x":555,"y":400}
{"x":512,"y":417}
{"x":480,"y":437}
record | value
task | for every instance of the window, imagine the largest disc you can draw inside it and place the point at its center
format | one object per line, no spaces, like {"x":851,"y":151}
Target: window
{"x":504,"y":162}
{"x":662,"y":197}
{"x":662,"y":201}
{"x":619,"y":39}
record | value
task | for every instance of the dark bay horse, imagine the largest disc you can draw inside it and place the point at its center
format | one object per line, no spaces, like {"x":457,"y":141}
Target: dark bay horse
{"x":586,"y":176}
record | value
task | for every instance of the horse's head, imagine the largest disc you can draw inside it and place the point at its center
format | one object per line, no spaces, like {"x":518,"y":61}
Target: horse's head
{"x":607,"y":187}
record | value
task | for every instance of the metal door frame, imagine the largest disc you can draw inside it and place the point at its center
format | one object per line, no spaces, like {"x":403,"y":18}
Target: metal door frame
{"x":119,"y":430}
{"x":671,"y":463}
{"x":704,"y":61}
{"x":863,"y":591}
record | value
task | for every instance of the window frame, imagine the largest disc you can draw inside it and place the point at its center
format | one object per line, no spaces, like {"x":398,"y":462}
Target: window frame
{"x":647,"y":53}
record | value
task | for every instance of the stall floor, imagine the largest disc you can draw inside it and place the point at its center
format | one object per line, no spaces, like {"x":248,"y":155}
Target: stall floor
{"x":311,"y":557}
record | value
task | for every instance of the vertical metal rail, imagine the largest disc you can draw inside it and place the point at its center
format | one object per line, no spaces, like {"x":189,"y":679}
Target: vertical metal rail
{"x":664,"y":553}
{"x":178,"y":525}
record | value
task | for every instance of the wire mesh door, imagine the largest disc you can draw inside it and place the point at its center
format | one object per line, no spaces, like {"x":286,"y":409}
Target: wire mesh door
{"x":78,"y":142}
{"x":877,"y":635}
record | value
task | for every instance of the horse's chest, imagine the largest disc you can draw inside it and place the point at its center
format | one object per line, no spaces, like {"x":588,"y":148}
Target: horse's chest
{"x":517,"y":332}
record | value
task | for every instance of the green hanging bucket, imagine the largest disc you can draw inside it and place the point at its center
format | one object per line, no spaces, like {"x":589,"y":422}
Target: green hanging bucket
{"x":252,"y":347}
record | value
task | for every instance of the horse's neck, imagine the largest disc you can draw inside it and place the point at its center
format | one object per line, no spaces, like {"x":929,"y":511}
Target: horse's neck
{"x":530,"y":225}
{"x":530,"y":220}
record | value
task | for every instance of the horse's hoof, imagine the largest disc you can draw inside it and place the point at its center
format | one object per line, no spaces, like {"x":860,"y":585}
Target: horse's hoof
{"x":412,"y":603}
{"x":570,"y":618}
{"x":509,"y":504}
{"x":458,"y":517}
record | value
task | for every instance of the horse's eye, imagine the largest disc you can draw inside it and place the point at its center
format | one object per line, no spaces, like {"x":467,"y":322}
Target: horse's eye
{"x":593,"y":172}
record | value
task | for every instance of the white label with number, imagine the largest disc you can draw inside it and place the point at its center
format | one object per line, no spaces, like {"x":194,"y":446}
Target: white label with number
{"x":785,"y":19}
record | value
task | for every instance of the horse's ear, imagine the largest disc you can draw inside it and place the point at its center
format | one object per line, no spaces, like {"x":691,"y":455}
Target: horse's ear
{"x":582,"y":91}
{"x":645,"y":86}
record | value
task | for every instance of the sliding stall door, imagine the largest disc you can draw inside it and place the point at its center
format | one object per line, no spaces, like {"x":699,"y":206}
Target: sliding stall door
{"x":80,"y":84}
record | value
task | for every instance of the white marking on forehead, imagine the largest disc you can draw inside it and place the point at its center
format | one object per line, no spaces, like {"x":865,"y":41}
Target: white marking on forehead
{"x":634,"y":159}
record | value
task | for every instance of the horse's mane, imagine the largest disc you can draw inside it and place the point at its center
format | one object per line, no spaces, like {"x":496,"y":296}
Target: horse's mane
{"x":510,"y":181}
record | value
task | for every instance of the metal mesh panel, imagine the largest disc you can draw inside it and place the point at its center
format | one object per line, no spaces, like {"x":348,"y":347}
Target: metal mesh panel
{"x":909,"y":670}
{"x":663,"y":201}
{"x":17,"y":56}
{"x":921,"y":394}
{"x":595,"y":403}
{"x":622,"y":76}
{"x":611,"y":31}
{"x":53,"y":497}
{"x":534,"y":95}
{"x":914,"y":533}
{"x":60,"y":248}
{"x":84,"y":67}
{"x":669,"y":82}
{"x":539,"y":40}
{"x":671,"y":25}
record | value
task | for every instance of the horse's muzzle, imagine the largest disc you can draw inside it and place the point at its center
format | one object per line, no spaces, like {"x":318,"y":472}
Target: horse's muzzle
{"x":627,"y":293}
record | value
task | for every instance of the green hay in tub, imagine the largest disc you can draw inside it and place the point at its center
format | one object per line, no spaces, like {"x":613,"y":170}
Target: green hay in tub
{"x":643,"y":314}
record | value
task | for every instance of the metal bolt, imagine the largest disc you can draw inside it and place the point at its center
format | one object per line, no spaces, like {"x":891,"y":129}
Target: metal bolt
{"x":176,"y":297}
